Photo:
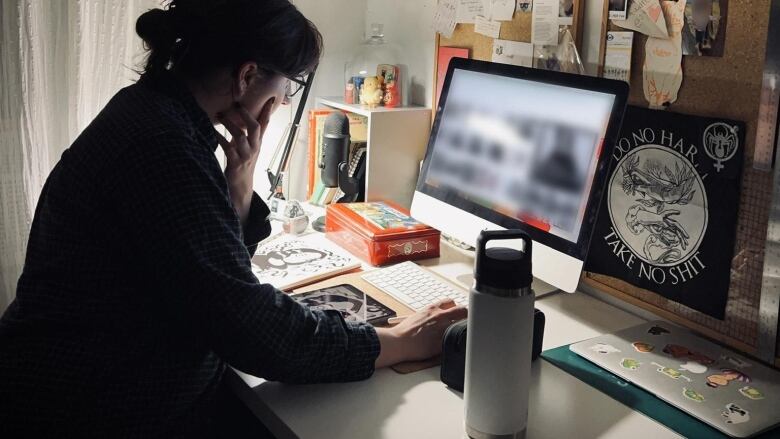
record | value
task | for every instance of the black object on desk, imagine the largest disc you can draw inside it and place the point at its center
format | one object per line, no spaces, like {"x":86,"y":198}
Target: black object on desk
{"x":453,"y":352}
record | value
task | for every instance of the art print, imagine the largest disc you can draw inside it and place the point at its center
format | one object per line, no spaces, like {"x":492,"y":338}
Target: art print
{"x":667,"y":221}
{"x":704,"y":31}
{"x":353,"y":304}
{"x":662,"y":72}
{"x":383,"y":216}
{"x":618,"y":9}
{"x":658,"y":205}
{"x":565,"y":8}
{"x":288,"y":262}
{"x":525,"y":5}
{"x":646,"y":17}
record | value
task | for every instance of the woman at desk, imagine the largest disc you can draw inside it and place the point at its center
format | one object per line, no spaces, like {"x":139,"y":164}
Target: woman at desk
{"x":137,"y":289}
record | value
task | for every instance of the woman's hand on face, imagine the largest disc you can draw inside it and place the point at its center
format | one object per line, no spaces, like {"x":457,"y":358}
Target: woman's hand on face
{"x":419,"y":336}
{"x":242,"y":152}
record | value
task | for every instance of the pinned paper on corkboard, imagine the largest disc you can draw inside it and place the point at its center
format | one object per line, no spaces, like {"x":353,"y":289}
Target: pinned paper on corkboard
{"x":662,"y":71}
{"x":645,"y":16}
{"x":444,"y":17}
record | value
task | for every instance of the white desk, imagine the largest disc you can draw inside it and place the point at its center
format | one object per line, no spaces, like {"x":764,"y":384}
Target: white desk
{"x":417,"y":405}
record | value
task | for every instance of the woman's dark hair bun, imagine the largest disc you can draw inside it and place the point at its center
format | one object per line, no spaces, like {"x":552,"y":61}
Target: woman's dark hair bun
{"x":154,"y":27}
{"x":196,"y":37}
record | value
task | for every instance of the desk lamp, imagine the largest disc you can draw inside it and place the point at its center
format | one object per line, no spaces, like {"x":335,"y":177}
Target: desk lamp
{"x":281,"y":156}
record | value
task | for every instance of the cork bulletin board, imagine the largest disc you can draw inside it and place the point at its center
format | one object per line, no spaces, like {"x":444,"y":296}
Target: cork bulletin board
{"x":519,"y":29}
{"x":727,"y":87}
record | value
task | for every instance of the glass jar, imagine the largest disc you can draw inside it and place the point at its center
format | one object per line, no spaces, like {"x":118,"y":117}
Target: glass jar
{"x":365,"y":63}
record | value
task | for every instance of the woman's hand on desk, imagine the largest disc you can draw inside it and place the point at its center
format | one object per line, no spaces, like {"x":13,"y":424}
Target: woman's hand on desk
{"x":419,"y":336}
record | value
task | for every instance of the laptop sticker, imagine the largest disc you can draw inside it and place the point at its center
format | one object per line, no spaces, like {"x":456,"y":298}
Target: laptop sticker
{"x":603,"y":348}
{"x":751,"y":392}
{"x":630,"y":364}
{"x":671,"y":373}
{"x":643,"y":347}
{"x":735,"y":414}
{"x":738,"y":362}
{"x":693,"y":395}
{"x":725,"y":377}
{"x":678,"y":351}
{"x":657,"y":330}
{"x":700,"y":358}
{"x":693,"y":367}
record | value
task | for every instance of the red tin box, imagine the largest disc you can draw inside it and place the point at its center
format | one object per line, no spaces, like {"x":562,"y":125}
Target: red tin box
{"x":380,"y":232}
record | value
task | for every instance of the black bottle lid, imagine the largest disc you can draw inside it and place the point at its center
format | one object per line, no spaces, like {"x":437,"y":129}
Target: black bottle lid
{"x":500,"y":267}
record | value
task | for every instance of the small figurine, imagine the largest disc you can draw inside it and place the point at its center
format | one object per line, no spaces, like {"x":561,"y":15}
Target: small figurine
{"x":392,"y":93}
{"x":294,"y":218}
{"x":371,"y":92}
{"x":349,"y":92}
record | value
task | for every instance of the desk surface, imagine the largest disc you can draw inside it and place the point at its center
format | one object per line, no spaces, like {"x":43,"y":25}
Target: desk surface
{"x":390,"y":405}
{"x":418,"y":405}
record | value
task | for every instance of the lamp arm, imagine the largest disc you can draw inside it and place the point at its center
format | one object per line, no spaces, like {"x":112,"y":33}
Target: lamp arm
{"x":276,"y":178}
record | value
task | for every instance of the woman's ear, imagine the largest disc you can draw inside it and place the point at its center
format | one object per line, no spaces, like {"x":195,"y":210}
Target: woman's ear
{"x":244,"y":76}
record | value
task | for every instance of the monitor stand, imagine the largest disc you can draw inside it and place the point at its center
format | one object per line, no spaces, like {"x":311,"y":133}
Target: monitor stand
{"x":542,"y":288}
{"x":457,"y":263}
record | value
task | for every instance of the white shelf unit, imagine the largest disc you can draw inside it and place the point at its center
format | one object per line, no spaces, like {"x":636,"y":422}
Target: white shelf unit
{"x":397,"y":139}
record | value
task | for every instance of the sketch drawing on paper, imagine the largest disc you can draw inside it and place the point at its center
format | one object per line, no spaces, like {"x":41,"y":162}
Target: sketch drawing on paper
{"x":291,"y":259}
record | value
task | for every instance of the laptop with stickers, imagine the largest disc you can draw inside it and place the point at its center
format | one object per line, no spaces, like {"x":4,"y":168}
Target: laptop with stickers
{"x":736,"y":395}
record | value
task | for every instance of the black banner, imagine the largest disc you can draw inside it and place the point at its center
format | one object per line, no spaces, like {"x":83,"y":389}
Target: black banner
{"x":668,"y":216}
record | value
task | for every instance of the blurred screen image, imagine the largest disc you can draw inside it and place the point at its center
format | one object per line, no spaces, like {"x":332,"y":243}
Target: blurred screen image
{"x":525,"y":149}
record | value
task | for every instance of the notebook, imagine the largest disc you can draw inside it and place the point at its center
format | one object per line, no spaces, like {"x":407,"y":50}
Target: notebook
{"x":735,"y":395}
{"x":288,"y":262}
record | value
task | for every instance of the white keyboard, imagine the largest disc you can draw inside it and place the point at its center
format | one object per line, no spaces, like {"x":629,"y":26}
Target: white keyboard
{"x":414,"y":286}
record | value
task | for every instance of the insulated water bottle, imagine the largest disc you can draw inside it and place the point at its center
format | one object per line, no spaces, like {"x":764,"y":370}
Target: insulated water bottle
{"x":498,"y":348}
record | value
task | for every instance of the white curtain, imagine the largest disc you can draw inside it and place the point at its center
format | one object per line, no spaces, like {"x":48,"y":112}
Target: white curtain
{"x":60,"y":62}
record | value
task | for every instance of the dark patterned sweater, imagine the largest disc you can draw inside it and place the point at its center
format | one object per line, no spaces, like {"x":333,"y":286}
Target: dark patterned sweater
{"x":137,"y":288}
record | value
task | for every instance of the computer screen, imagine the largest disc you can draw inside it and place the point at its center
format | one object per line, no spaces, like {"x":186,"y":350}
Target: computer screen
{"x":525,"y":149}
{"x":520,"y":148}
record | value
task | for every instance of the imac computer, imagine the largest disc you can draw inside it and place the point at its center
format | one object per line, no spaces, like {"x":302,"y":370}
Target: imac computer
{"x":520,"y":148}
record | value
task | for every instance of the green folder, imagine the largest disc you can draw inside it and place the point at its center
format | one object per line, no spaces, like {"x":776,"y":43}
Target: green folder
{"x":636,"y":398}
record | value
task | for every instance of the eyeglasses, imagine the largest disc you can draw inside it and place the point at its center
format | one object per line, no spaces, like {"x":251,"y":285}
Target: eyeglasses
{"x":294,"y":85}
